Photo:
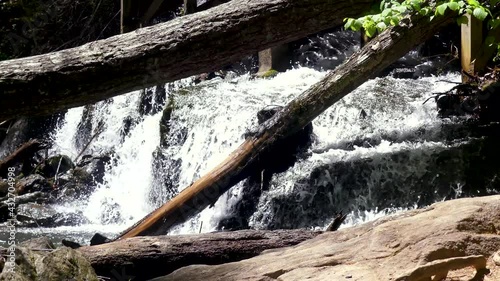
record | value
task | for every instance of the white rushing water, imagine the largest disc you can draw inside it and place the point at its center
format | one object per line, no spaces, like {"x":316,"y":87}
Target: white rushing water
{"x":214,"y":115}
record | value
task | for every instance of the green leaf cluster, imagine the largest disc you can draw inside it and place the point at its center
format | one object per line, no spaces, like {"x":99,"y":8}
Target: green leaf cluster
{"x":391,"y":12}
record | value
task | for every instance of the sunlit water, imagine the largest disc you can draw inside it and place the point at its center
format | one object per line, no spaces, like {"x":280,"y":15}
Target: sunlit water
{"x":212,"y":118}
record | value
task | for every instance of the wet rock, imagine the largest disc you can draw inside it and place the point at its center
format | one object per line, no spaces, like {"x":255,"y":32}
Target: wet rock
{"x":84,"y":128}
{"x":32,"y":183}
{"x":489,"y":101}
{"x":5,"y":211}
{"x":64,"y":264}
{"x":70,"y":244}
{"x":83,"y":179}
{"x":165,"y":122}
{"x":37,"y":197}
{"x":152,"y":100}
{"x":325,"y":50}
{"x":34,"y":215}
{"x":94,"y":166}
{"x":55,"y":165}
{"x":209,"y":76}
{"x":99,"y":239}
{"x":167,"y":179}
{"x":284,"y":153}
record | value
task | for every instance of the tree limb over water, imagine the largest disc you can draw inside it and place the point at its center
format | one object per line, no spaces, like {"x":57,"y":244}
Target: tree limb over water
{"x":189,"y":45}
{"x":375,"y":56}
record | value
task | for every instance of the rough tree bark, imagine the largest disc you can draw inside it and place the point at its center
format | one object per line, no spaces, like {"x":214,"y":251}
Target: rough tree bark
{"x":185,"y":46}
{"x":148,"y":257}
{"x":378,"y":54}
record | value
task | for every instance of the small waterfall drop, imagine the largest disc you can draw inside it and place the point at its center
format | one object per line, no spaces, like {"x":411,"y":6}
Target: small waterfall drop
{"x":371,"y":151}
{"x":208,"y":122}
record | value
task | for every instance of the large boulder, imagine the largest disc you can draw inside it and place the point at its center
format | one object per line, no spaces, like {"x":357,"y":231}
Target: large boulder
{"x":64,"y":264}
{"x":443,"y":239}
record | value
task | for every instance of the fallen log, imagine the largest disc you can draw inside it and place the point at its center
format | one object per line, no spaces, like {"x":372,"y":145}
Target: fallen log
{"x":371,"y":59}
{"x":149,"y":257}
{"x":188,"y":45}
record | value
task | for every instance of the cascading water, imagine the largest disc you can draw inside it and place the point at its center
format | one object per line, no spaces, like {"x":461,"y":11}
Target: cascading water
{"x":374,"y":152}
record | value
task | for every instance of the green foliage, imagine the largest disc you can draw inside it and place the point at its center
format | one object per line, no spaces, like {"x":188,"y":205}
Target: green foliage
{"x":391,"y":12}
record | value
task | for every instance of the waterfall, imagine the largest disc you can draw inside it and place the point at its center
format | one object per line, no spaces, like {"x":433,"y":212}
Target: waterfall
{"x":377,"y":151}
{"x":209,"y":121}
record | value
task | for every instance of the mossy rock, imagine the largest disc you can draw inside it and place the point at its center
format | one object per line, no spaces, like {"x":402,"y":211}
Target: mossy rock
{"x":56,"y":164}
{"x":61,"y":264}
{"x":65,"y":264}
{"x":268,"y":74}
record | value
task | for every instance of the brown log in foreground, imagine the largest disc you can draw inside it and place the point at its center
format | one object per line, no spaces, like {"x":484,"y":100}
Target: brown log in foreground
{"x":189,"y":45}
{"x":149,"y":257}
{"x":372,"y":58}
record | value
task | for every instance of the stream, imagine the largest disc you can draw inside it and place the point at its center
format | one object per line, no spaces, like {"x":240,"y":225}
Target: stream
{"x":378,"y":151}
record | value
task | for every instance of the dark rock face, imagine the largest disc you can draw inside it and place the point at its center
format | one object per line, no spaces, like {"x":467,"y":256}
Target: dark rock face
{"x":278,"y":159}
{"x":84,"y":128}
{"x":489,"y":102}
{"x":168,"y":180}
{"x":165,"y":122}
{"x":166,"y":177}
{"x":24,"y":129}
{"x":56,"y":180}
{"x":95,"y":166}
{"x":83,"y":179}
{"x":4,"y":187}
{"x":152,"y":101}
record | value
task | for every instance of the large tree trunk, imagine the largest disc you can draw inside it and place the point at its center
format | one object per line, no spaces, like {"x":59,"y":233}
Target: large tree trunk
{"x":185,"y":46}
{"x":372,"y":58}
{"x":148,"y":257}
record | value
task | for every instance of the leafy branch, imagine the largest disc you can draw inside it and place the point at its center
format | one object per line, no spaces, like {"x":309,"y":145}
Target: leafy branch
{"x":391,"y":12}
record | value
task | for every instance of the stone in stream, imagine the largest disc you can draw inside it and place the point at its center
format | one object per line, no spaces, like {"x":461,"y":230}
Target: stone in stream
{"x":32,"y":183}
{"x":95,"y":166}
{"x":58,"y":164}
